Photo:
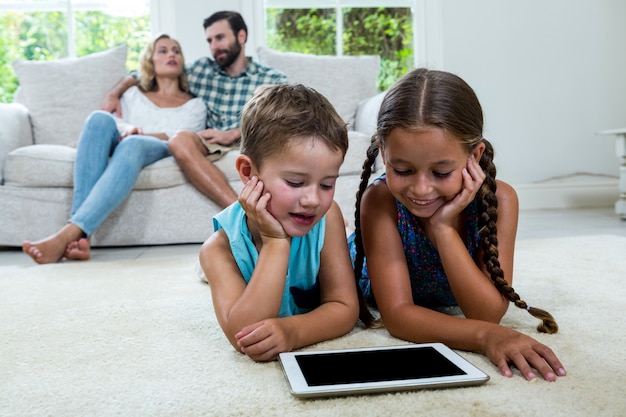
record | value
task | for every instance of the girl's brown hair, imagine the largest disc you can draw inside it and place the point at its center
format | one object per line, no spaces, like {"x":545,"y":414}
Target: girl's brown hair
{"x":425,"y":98}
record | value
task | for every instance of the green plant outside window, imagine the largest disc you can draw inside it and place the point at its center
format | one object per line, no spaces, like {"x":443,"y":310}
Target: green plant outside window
{"x":387,"y":32}
{"x":41,"y":36}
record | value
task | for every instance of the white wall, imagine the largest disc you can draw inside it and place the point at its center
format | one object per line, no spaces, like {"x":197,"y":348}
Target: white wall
{"x":549,"y":73}
{"x":183,"y":20}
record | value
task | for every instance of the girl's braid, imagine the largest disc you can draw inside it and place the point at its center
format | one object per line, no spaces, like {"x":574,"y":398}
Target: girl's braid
{"x":364,"y":313}
{"x":489,"y":242}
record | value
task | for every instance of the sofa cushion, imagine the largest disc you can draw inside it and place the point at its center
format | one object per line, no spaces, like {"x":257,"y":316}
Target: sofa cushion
{"x":53,"y":166}
{"x":344,"y":80}
{"x":60,"y":94}
{"x":40,"y":166}
{"x":164,"y":173}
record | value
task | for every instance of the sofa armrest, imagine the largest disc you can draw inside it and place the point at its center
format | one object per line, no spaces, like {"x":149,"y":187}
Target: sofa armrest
{"x":16,"y":129}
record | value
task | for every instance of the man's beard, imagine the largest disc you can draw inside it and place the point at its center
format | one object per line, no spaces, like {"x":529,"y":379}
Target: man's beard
{"x":231,"y":56}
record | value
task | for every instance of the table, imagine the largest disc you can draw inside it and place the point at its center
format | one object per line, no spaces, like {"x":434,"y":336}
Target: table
{"x":620,"y":151}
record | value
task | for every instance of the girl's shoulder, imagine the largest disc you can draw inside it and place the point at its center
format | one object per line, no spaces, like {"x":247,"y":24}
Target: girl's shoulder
{"x":505,"y":192}
{"x":378,"y":203}
{"x":378,"y":192}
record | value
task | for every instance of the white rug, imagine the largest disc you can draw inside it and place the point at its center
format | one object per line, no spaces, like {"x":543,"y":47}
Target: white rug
{"x":139,"y":338}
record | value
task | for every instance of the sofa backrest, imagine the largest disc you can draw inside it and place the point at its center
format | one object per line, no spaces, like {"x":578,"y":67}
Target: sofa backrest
{"x":60,"y":94}
{"x":344,"y":80}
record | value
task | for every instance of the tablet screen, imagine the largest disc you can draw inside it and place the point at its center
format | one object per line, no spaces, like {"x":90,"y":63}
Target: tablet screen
{"x":375,"y":365}
{"x":377,"y":369}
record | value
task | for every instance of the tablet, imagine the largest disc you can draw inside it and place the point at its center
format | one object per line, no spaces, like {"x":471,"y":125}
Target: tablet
{"x":377,"y":369}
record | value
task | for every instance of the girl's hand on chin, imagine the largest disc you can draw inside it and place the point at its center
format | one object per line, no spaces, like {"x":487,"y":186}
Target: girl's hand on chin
{"x":254,"y":203}
{"x":473,"y":177}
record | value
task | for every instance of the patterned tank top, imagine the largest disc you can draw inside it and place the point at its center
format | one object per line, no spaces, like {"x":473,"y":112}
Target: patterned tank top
{"x":429,"y":284}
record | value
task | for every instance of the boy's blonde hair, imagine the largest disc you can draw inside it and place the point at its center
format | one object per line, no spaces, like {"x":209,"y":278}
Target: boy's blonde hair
{"x":278,"y":115}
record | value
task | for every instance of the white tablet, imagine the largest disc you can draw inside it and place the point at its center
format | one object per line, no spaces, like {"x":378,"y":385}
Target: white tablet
{"x":377,"y":369}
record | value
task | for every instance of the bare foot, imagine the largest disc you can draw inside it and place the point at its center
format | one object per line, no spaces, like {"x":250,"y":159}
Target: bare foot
{"x":44,"y":251}
{"x":79,"y":250}
{"x":52,"y":249}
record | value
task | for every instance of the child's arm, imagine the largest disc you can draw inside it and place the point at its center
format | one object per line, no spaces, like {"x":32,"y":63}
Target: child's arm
{"x":237,"y":304}
{"x":336,"y":315}
{"x":391,"y":286}
{"x":472,"y":287}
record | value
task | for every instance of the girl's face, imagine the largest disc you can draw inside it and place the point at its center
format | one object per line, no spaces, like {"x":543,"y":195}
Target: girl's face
{"x":424,"y":169}
{"x":301,"y":182}
{"x":167,"y":58}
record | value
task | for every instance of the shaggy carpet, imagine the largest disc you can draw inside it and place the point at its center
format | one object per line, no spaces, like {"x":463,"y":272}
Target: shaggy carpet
{"x":139,"y":338}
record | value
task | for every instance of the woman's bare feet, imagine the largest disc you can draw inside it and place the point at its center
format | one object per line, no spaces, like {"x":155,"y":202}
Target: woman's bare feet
{"x":44,"y":251}
{"x":79,"y":250}
{"x":52,"y":249}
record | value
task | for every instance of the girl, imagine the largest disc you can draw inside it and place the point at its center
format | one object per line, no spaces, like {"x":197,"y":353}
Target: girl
{"x":111,"y":152}
{"x":278,"y":264}
{"x":438,"y":230}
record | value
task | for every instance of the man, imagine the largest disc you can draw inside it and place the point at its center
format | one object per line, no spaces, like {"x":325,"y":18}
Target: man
{"x":225,"y":84}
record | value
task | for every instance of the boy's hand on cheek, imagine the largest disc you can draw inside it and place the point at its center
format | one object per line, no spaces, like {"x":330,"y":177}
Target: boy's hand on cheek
{"x":254,"y":202}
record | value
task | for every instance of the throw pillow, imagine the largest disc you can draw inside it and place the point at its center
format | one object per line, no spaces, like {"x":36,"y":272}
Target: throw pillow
{"x":367,"y":114}
{"x":61,"y":94}
{"x":344,"y":80}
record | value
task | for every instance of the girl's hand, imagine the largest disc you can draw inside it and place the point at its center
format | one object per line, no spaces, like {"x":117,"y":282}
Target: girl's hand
{"x":506,"y":347}
{"x":473,"y":178}
{"x":254,"y":203}
{"x":263,"y":341}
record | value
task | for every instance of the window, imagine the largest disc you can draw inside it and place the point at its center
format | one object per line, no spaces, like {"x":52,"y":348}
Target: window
{"x":51,"y":29}
{"x":341,"y":27}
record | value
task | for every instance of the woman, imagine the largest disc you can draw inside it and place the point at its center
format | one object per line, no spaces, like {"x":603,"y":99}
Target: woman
{"x":112,"y":151}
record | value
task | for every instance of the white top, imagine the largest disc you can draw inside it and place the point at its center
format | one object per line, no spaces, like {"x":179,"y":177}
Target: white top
{"x":139,"y":111}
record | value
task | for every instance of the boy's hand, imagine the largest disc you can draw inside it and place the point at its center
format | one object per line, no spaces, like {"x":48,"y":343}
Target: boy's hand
{"x":254,"y":203}
{"x":263,"y":341}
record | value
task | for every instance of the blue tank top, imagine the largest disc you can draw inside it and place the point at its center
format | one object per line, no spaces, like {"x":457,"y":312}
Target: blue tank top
{"x":301,"y":293}
{"x":429,"y":284}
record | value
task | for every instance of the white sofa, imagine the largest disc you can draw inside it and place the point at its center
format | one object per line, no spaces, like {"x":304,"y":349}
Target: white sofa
{"x":39,"y":131}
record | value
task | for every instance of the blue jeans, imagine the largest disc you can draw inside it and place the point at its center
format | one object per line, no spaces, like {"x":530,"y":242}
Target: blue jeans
{"x":105,"y":169}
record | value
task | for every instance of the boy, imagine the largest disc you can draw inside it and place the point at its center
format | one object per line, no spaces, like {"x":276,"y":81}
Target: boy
{"x":278,"y":263}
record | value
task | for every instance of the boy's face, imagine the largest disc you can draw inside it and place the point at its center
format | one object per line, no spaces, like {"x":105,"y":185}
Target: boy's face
{"x":301,"y":182}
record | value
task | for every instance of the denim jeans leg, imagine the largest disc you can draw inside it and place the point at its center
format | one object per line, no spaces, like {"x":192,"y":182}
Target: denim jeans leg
{"x":118,"y":179}
{"x":98,"y":139}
